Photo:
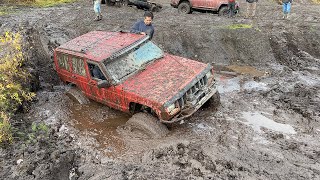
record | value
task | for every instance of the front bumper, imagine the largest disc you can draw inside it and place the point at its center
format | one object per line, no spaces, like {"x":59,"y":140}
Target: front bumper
{"x":187,"y":112}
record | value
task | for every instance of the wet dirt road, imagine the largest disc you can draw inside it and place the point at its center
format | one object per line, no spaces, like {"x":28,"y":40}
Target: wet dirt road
{"x":267,"y":126}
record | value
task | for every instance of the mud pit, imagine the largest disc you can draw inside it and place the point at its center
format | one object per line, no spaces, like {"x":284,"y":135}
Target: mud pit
{"x":267,"y":126}
{"x":101,"y":123}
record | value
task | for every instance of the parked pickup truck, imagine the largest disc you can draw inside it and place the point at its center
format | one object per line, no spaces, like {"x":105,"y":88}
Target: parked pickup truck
{"x":130,"y":73}
{"x":187,"y":6}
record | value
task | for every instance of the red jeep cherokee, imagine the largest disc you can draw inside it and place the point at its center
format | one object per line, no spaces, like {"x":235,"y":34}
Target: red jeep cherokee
{"x":130,"y":73}
{"x":186,"y":6}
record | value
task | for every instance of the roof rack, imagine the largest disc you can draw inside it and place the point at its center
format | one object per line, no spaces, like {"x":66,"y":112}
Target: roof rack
{"x":128,"y":48}
{"x":84,"y":50}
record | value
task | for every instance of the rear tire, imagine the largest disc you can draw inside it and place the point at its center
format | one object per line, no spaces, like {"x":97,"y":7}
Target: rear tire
{"x":154,"y":8}
{"x":224,"y":11}
{"x":148,"y":124}
{"x":184,"y":8}
{"x":125,"y":2}
{"x":117,"y":4}
{"x":76,"y":95}
{"x":109,"y":3}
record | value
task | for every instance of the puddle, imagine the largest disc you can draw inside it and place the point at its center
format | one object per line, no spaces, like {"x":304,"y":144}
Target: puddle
{"x":256,"y":120}
{"x":309,"y":80}
{"x":256,"y":86}
{"x":228,"y":85}
{"x":228,"y":81}
{"x":101,"y":123}
{"x":249,"y":70}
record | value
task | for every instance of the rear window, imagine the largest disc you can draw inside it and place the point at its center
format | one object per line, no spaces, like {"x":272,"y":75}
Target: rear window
{"x":78,"y":66}
{"x":63,"y":62}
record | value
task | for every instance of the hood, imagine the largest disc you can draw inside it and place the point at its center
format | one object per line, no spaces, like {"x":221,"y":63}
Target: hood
{"x":164,"y":78}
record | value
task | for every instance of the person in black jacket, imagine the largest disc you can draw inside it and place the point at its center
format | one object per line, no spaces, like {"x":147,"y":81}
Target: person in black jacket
{"x":145,"y":26}
{"x":286,"y":6}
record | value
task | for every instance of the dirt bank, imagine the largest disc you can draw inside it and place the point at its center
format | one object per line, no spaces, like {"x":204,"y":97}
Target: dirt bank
{"x":267,"y":126}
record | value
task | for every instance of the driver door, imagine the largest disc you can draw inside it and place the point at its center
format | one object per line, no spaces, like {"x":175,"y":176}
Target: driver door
{"x":111,"y":96}
{"x":199,"y":3}
{"x":95,"y":92}
{"x":213,"y":4}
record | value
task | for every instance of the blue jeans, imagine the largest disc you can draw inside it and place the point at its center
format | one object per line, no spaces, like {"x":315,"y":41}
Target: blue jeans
{"x":96,"y":6}
{"x":286,"y":7}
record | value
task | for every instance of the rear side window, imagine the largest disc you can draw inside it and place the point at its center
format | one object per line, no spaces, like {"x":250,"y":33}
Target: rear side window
{"x":63,"y":62}
{"x":78,"y":66}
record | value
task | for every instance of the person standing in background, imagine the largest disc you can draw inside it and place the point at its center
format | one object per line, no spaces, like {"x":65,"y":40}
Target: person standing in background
{"x":286,"y":7}
{"x":145,"y":26}
{"x":97,"y":9}
{"x":231,"y":6}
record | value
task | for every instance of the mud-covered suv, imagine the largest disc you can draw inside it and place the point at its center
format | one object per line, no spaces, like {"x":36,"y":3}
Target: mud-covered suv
{"x":130,"y":73}
{"x":186,"y":6}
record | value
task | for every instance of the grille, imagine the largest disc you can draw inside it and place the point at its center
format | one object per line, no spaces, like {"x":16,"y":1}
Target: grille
{"x":194,"y":94}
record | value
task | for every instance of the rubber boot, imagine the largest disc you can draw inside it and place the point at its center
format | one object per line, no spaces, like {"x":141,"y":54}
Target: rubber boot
{"x":97,"y":17}
{"x":100,"y":16}
{"x":284,"y":15}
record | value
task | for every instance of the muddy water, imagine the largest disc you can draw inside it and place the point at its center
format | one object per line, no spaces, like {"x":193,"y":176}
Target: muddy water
{"x":257,"y":120}
{"x":249,"y":70}
{"x":98,"y":121}
{"x":230,"y":79}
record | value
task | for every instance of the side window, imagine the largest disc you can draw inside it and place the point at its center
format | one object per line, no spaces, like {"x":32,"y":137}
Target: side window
{"x":96,"y":72}
{"x":78,"y":66}
{"x":63,"y":61}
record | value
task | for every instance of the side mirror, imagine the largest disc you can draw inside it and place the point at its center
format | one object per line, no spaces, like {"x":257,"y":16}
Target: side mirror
{"x":103,"y":84}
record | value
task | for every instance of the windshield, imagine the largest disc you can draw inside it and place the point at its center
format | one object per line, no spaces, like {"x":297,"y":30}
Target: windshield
{"x":121,"y":68}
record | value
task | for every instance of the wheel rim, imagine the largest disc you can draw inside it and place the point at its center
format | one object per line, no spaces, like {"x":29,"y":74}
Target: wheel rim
{"x":184,"y":9}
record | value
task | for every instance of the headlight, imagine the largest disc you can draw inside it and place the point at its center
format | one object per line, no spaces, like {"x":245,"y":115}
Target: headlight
{"x":209,"y":75}
{"x":171,"y":108}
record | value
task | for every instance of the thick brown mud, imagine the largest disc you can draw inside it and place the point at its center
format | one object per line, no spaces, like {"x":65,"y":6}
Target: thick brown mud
{"x":267,"y":126}
{"x":100,"y":122}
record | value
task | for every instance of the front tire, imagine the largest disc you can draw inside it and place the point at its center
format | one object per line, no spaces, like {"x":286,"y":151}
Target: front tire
{"x":147,"y":124}
{"x":214,"y":101}
{"x":184,"y":8}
